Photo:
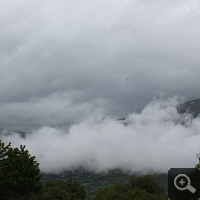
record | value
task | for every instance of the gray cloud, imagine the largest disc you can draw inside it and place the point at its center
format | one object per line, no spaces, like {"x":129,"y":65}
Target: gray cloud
{"x":60,"y":62}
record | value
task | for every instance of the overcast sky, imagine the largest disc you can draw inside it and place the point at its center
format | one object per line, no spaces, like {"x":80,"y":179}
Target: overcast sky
{"x":62,"y":62}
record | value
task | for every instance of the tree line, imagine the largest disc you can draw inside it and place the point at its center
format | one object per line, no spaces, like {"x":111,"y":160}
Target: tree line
{"x":20,"y":179}
{"x":138,"y":188}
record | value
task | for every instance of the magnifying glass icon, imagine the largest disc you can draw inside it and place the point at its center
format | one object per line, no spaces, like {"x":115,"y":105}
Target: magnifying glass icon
{"x":184,"y":182}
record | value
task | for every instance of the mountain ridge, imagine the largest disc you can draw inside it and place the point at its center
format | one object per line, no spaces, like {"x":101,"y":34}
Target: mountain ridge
{"x":192,"y":107}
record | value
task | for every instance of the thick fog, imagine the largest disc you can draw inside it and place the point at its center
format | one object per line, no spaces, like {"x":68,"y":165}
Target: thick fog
{"x":153,"y":140}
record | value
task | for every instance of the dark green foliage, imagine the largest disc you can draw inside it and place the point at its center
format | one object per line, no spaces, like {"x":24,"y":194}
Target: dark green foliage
{"x":139,"y":194}
{"x":55,"y":192}
{"x":140,"y":188}
{"x":60,"y":183}
{"x":19,"y":172}
{"x":59,"y":189}
{"x":20,"y":179}
{"x":148,"y":184}
{"x":76,"y":190}
{"x":93,"y":182}
{"x":117,"y":192}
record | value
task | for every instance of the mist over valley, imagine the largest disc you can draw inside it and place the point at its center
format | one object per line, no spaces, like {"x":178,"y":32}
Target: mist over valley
{"x":150,"y":141}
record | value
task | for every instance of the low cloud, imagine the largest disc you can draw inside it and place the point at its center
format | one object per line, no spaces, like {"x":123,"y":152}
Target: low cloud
{"x":153,"y":140}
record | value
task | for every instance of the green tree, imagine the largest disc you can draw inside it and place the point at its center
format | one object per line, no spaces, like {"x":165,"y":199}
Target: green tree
{"x":197,"y":166}
{"x":116,"y":191}
{"x":147,"y":183}
{"x":77,"y":191}
{"x":60,"y":189}
{"x":19,"y":172}
{"x":140,"y":188}
{"x":139,"y":194}
{"x":54,"y":193}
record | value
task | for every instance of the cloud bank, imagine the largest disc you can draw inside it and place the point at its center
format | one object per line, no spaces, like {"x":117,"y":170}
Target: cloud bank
{"x":153,"y":140}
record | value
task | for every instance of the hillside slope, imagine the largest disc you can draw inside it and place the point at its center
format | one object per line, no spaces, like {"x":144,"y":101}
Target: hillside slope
{"x":192,"y":107}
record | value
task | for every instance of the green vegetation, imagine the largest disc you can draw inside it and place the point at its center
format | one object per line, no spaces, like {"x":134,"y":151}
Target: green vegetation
{"x":94,"y":182}
{"x":197,"y":166}
{"x":19,"y":172}
{"x":60,"y":189}
{"x":139,"y":188}
{"x":21,"y":179}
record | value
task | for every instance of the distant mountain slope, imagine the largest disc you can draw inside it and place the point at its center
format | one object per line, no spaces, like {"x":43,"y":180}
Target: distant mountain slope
{"x":192,"y":107}
{"x":11,"y":132}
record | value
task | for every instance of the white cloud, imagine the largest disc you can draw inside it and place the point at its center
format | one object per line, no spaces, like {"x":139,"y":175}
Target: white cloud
{"x":154,"y":140}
